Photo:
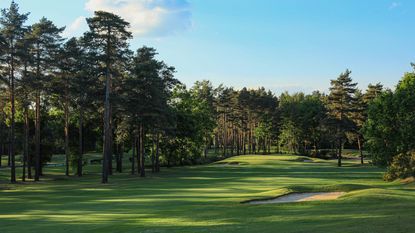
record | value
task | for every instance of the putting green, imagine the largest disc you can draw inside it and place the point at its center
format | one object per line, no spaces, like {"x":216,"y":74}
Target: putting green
{"x":208,"y":199}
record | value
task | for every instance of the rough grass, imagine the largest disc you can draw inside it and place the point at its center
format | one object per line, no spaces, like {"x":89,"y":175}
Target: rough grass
{"x":208,"y":199}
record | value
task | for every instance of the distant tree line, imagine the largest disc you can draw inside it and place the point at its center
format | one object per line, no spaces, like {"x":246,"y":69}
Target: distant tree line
{"x":92,"y":93}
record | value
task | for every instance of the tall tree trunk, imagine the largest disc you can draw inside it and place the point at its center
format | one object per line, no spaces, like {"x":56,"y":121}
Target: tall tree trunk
{"x":153,"y":154}
{"x":243,"y":141}
{"x":111,"y":145}
{"x":224,"y":135}
{"x":133,"y":156}
{"x":237,"y":141}
{"x":359,"y":144}
{"x":81,"y":141}
{"x":37,"y":120}
{"x":158,"y":153}
{"x":29,"y":156}
{"x":232,"y":136}
{"x":107,"y":131}
{"x":107,"y":111}
{"x":26,"y":161}
{"x":37,"y":138}
{"x":339,"y":156}
{"x":9,"y":157}
{"x":142,"y":153}
{"x":120,"y":157}
{"x":138,"y":152}
{"x":66,"y":129}
{"x":250,"y":139}
{"x":13,"y":111}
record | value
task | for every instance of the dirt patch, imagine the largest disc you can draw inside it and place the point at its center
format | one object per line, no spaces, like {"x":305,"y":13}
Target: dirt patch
{"x":300,"y":197}
{"x":408,"y":180}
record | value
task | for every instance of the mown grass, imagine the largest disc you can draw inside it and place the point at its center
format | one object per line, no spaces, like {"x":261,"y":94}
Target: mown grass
{"x":208,"y":199}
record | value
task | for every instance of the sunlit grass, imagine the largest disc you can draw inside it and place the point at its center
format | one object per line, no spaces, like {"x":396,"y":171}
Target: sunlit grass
{"x":208,"y":199}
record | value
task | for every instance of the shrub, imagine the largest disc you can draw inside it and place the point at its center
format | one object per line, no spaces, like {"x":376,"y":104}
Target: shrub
{"x":402,"y":166}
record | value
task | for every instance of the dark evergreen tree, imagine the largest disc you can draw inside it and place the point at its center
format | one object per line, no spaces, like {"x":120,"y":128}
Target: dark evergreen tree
{"x":110,"y":35}
{"x":341,"y":103}
{"x":46,"y":39}
{"x":12,"y":30}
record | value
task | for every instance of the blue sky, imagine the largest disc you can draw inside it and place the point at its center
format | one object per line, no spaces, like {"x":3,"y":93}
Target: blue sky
{"x":294,"y":45}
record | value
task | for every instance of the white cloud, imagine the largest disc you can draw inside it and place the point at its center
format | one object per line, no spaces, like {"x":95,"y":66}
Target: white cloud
{"x":395,"y":5}
{"x":78,"y":26}
{"x":152,"y":18}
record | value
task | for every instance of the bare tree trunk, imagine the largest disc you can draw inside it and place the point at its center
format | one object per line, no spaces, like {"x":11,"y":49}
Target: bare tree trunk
{"x":244,"y":142}
{"x":81,"y":141}
{"x":107,"y":111}
{"x":111,"y":145}
{"x":142,"y":153}
{"x":153,"y":155}
{"x":13,"y":112}
{"x":232,"y":136}
{"x":238,"y":143}
{"x":138,"y":151}
{"x":133,"y":156}
{"x":29,"y":156}
{"x":120,"y":153}
{"x":250,"y":139}
{"x":37,"y":126}
{"x":66,"y":129}
{"x":37,"y":139}
{"x":157,"y":153}
{"x":339,"y":156}
{"x":216,"y":143}
{"x":224,"y":135}
{"x":26,"y":143}
{"x":359,"y":144}
{"x":9,"y":158}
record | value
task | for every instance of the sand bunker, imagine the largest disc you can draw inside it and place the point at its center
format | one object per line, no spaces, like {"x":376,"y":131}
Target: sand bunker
{"x":300,"y":197}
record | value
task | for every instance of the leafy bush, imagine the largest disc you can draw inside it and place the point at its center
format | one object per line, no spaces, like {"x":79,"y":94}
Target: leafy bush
{"x":402,"y":166}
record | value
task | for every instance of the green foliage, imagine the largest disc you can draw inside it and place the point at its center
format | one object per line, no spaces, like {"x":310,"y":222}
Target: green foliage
{"x":381,"y":129}
{"x":402,"y":166}
{"x":341,"y":103}
{"x":302,"y":122}
{"x":390,"y":127}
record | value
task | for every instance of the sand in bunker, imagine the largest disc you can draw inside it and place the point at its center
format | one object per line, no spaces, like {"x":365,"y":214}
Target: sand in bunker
{"x":300,"y":197}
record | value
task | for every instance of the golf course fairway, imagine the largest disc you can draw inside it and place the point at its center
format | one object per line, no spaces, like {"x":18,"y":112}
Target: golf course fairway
{"x":211,"y":198}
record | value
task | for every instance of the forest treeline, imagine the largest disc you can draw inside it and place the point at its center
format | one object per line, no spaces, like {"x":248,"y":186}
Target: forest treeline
{"x":93,"y":93}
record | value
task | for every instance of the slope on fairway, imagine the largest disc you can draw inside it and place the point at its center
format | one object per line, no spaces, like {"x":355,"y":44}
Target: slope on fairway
{"x":208,"y":199}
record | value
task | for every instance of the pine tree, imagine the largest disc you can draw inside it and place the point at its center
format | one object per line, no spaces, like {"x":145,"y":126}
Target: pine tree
{"x":109,"y":32}
{"x":24,"y":93}
{"x":62,"y":87}
{"x":372,"y":92}
{"x":341,"y":105}
{"x":12,"y":31}
{"x":3,"y":90}
{"x":359,"y":117}
{"x":46,"y":39}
